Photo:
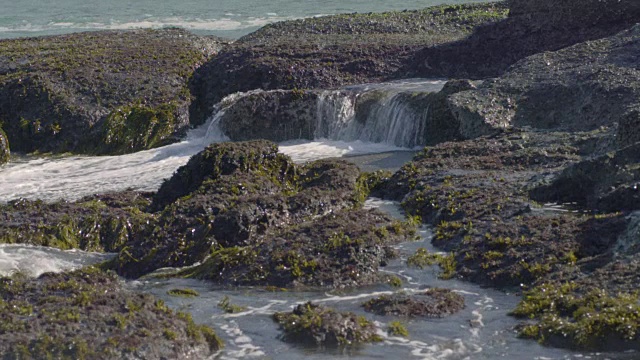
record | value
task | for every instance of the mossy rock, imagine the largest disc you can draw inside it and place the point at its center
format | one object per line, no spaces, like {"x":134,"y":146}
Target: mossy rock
{"x":86,"y":314}
{"x":585,"y":319}
{"x":321,"y":326}
{"x":74,"y":92}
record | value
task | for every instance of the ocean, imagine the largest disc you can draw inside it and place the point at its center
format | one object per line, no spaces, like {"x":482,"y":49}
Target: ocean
{"x":224,"y":18}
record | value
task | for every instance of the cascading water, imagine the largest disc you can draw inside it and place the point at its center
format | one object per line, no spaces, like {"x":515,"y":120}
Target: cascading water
{"x":344,"y":127}
{"x":376,"y":113}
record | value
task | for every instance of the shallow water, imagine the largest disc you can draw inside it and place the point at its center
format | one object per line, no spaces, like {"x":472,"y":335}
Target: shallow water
{"x":226,"y":18}
{"x":483,"y":330}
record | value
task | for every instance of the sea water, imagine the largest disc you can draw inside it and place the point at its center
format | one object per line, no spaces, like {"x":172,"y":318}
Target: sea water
{"x":225,"y":18}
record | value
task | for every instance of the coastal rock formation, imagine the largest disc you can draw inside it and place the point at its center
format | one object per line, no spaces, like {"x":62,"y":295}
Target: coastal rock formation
{"x":430,"y":303}
{"x":607,"y":183}
{"x":533,"y":26}
{"x":333,"y":51}
{"x":98,"y":92}
{"x":559,"y":90}
{"x":86,"y":314}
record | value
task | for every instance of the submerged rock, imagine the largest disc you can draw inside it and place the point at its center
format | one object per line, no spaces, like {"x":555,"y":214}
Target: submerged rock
{"x":430,"y":303}
{"x":87,"y":314}
{"x":109,"y":92}
{"x":318,"y":325}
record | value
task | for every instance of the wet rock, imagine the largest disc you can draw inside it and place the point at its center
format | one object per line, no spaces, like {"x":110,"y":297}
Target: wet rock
{"x":276,"y":115}
{"x":559,"y":90}
{"x":580,"y":318}
{"x":4,"y":147}
{"x":332,"y":51}
{"x":321,"y":326}
{"x":108,"y":92}
{"x":607,"y":183}
{"x":430,"y":303}
{"x":96,"y":223}
{"x":87,"y":314}
{"x":343,"y":249}
{"x":251,"y":217}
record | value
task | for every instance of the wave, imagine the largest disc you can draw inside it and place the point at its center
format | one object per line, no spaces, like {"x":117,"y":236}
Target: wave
{"x":222,"y":24}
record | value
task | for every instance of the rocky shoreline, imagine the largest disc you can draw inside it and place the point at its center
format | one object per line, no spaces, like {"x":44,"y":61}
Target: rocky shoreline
{"x":544,"y":110}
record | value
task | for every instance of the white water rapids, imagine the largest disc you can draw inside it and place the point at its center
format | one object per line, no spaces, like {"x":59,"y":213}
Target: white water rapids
{"x":71,"y":178}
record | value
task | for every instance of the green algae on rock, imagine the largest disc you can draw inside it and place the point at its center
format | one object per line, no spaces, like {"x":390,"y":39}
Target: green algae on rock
{"x":98,"y":223}
{"x":86,"y":314}
{"x":67,"y":93}
{"x":589,"y":319}
{"x":318,"y":325}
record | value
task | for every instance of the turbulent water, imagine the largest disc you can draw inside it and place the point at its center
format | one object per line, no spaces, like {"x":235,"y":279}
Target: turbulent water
{"x":226,"y":18}
{"x":74,"y":177}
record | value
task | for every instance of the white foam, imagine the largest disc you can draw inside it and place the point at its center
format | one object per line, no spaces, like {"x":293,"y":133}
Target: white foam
{"x":216,"y":24}
{"x":36,"y":260}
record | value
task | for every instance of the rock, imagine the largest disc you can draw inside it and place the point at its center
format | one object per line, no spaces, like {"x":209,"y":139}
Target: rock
{"x":430,"y":303}
{"x":88,"y":314}
{"x":100,"y":223}
{"x":575,"y":13}
{"x":607,"y":183}
{"x":559,"y":90}
{"x":321,"y":326}
{"x":276,"y":115}
{"x":252,"y":217}
{"x":4,"y":147}
{"x":343,"y":249}
{"x":332,"y":51}
{"x":279,"y":115}
{"x":533,"y":26}
{"x":109,"y":92}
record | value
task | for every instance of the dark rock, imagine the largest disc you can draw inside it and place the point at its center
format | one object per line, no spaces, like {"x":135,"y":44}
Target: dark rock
{"x":332,"y":51}
{"x":98,"y":92}
{"x":98,"y":223}
{"x":252,"y":217}
{"x":430,"y":303}
{"x":606,"y":183}
{"x":276,"y":115}
{"x":559,"y":90}
{"x":4,"y":147}
{"x":321,"y":326}
{"x":342,"y":249}
{"x":87,"y":314}
{"x":533,"y":26}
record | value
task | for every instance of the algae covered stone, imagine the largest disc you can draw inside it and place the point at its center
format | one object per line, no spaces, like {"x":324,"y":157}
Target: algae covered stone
{"x":86,"y":314}
{"x":318,"y":325}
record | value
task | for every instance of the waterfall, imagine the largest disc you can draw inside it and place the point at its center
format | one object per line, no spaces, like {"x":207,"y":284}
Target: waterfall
{"x":388,"y":113}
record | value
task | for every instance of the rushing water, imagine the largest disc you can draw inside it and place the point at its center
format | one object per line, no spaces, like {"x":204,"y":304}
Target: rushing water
{"x":73,"y":177}
{"x":226,"y":18}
